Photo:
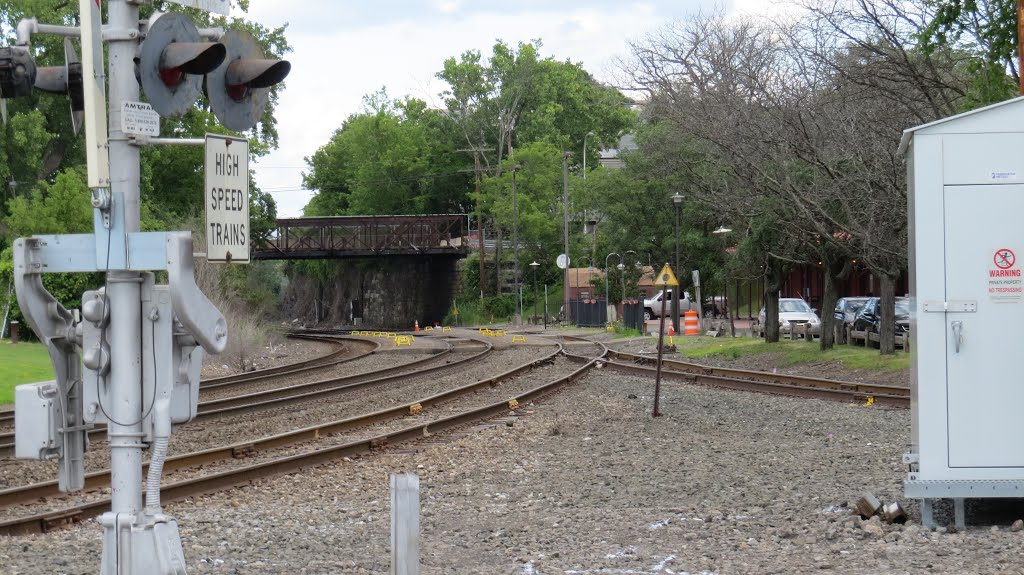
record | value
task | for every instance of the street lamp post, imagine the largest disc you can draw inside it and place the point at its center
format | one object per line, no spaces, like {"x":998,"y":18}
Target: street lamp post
{"x":534,"y":265}
{"x":622,"y":265}
{"x":721,"y":231}
{"x":565,"y":232}
{"x":585,"y":153}
{"x":608,"y":294}
{"x":515,"y":248}
{"x":622,"y":277}
{"x":677,"y":201}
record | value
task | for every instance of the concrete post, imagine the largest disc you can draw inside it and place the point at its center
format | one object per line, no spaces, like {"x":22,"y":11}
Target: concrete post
{"x":405,"y":524}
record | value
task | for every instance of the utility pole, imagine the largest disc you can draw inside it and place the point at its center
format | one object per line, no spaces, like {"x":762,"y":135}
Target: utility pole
{"x":515,"y":249}
{"x":477,"y":169}
{"x":479,"y":223}
{"x":565,"y":234}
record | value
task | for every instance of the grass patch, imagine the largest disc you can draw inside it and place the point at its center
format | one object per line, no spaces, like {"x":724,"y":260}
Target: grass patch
{"x":22,"y":363}
{"x":624,"y":332}
{"x":793,"y":352}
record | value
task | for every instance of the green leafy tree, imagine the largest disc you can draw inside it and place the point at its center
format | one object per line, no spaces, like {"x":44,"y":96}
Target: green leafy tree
{"x":58,"y":208}
{"x":986,"y":29}
{"x":396,"y":157}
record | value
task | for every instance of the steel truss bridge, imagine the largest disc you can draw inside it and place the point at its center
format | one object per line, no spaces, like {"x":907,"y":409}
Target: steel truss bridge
{"x":364,"y":236}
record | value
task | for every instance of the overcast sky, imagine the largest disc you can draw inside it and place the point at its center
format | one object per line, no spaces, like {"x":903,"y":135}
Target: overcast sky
{"x":344,"y":50}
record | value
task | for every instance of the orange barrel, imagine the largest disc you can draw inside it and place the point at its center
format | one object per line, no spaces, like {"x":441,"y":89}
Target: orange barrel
{"x":690,"y":323}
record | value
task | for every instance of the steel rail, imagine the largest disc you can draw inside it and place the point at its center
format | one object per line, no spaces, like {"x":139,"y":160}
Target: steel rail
{"x":280,"y":397}
{"x":790,"y":379}
{"x":41,"y":523}
{"x":763,"y":382}
{"x":333,"y":358}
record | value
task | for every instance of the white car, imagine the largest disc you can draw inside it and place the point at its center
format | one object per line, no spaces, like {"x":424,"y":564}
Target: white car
{"x":795,"y":311}
{"x":652,"y":306}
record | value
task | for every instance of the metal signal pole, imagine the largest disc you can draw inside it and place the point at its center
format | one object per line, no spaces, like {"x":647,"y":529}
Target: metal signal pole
{"x":123,"y":287}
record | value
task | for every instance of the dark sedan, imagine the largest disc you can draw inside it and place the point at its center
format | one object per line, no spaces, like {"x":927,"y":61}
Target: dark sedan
{"x":847,"y":308}
{"x":869,"y":316}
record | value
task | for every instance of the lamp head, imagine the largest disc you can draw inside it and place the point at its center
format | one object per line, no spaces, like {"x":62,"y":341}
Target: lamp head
{"x":677,"y":199}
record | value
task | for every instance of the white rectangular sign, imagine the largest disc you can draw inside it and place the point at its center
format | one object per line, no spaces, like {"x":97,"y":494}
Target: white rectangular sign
{"x":139,"y":118}
{"x":226,"y":198}
{"x":93,"y":80}
{"x":216,"y":6}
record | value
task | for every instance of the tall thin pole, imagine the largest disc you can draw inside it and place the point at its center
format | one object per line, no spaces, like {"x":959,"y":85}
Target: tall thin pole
{"x":565,"y":232}
{"x":123,"y":287}
{"x":515,"y":249}
{"x":480,"y":224}
{"x":676,"y":295}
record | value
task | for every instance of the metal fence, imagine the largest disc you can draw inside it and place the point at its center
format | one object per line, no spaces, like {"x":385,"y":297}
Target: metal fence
{"x":590,"y":312}
{"x":633,"y":314}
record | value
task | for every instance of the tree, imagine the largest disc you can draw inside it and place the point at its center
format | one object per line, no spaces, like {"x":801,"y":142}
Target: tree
{"x":58,"y":208}
{"x":396,"y":157}
{"x":171,"y":175}
{"x":796,"y":124}
{"x":986,"y":29}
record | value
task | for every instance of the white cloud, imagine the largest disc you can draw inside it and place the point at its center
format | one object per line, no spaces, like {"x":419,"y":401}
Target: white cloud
{"x":447,"y":7}
{"x":341,"y":56}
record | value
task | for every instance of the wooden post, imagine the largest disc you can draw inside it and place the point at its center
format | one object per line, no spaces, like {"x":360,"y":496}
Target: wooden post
{"x":405,"y":524}
{"x":1020,"y":44}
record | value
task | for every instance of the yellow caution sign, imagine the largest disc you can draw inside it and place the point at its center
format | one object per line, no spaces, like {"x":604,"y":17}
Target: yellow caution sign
{"x":403,"y":340}
{"x":446,"y":328}
{"x":666,"y":278}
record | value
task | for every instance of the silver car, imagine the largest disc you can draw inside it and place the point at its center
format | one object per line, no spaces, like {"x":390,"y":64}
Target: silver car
{"x":795,"y":311}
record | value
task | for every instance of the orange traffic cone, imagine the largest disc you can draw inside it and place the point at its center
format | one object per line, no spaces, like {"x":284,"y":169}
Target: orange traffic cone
{"x":416,"y":325}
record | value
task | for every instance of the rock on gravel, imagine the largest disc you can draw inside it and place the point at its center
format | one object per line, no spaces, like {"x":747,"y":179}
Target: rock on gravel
{"x":586,"y":482}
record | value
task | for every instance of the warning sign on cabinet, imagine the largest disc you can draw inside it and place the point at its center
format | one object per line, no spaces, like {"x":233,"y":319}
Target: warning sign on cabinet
{"x":1005,"y":284}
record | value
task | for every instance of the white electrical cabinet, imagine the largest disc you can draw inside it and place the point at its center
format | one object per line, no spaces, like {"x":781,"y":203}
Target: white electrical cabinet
{"x":965,"y":178}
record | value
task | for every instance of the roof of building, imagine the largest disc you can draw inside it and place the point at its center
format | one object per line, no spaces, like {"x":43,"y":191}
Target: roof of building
{"x":1002,"y":116}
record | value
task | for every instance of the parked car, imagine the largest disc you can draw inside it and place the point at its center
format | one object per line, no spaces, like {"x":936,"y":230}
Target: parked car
{"x":652,"y":307}
{"x":794,"y":311}
{"x":847,"y":308}
{"x":869,"y":316}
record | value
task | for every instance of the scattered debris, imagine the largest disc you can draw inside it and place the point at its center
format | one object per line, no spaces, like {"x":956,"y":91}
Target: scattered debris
{"x":893,"y":513}
{"x":1018,"y":525}
{"x":868,"y":505}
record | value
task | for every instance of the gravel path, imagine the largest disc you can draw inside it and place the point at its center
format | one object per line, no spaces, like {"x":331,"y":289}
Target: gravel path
{"x":588,"y":483}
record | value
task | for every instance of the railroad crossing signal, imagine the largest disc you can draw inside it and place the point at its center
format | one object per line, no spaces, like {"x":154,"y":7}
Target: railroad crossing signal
{"x":173,"y":62}
{"x":17,"y":73}
{"x":240,"y":89}
{"x":168,"y":326}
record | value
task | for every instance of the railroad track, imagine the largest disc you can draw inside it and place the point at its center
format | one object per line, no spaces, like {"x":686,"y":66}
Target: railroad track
{"x":409,"y":422}
{"x":341,"y":354}
{"x":763,"y":382}
{"x":277,"y":398}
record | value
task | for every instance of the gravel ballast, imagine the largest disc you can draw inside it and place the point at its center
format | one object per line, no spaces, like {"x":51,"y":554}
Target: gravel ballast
{"x":586,"y":482}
